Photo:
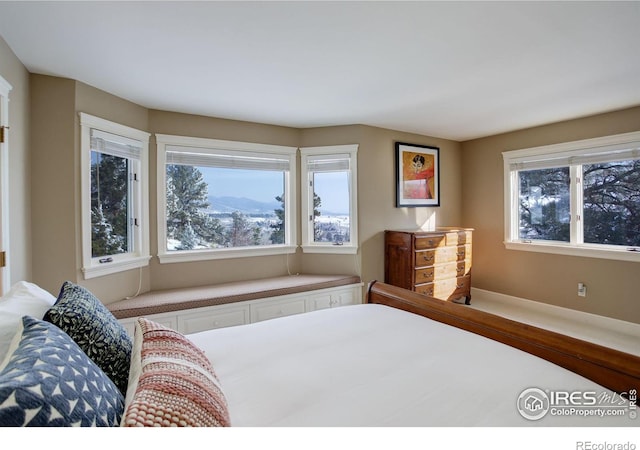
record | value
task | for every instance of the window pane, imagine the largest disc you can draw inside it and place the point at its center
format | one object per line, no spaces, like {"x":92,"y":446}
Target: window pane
{"x":211,"y":207}
{"x":331,"y":207}
{"x":544,"y":212}
{"x":612,"y":203}
{"x":109,"y":205}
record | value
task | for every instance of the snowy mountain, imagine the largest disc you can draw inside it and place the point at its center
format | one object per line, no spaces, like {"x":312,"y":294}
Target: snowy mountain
{"x":244,"y":205}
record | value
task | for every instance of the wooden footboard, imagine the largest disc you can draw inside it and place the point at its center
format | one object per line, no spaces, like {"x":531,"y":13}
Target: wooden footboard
{"x":613,"y":369}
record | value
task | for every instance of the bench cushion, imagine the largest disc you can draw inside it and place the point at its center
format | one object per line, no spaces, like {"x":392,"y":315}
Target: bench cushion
{"x":156,"y":302}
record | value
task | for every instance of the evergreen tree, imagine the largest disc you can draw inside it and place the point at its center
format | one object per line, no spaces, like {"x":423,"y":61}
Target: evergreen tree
{"x":187,"y":237}
{"x":277,"y":235}
{"x":186,"y":204}
{"x":256,"y":235}
{"x":317,"y":231}
{"x":109,"y":208}
{"x":544,"y":204}
{"x":612,"y":203}
{"x":240,"y":233}
{"x":103,"y":240}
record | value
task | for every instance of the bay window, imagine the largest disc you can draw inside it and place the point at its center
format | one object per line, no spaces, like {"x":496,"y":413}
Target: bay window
{"x":221,"y":199}
{"x":329,"y":199}
{"x":114,"y":189}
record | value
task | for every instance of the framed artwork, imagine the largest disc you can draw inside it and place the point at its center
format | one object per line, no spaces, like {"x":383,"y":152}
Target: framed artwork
{"x":417,"y":175}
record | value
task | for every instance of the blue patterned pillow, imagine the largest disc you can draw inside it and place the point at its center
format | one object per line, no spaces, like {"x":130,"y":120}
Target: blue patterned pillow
{"x":47,"y":380}
{"x":91,"y":325}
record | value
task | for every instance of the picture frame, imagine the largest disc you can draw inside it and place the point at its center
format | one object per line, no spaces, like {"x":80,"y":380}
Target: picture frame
{"x":417,"y":175}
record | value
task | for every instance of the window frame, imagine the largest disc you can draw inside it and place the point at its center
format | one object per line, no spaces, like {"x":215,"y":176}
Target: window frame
{"x":308,"y":244}
{"x":139,"y":256}
{"x":224,"y":147}
{"x":573,"y":155}
{"x":5,"y":198}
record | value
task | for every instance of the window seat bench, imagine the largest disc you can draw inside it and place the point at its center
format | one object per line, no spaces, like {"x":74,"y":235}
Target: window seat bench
{"x":194,"y":309}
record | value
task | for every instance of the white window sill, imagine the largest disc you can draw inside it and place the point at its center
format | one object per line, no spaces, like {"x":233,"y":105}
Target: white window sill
{"x":331,"y":249}
{"x":223,"y":253}
{"x":620,"y":254}
{"x":115,"y":266}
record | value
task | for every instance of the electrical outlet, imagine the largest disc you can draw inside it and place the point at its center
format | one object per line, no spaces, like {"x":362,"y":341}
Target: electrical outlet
{"x":582,"y":290}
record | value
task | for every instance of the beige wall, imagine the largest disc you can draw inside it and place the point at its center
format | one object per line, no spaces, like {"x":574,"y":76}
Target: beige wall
{"x":98,"y":103}
{"x":164,"y":276}
{"x":19,"y":251}
{"x":55,"y":169}
{"x":377,"y":196}
{"x":45,"y":221}
{"x":552,"y":279}
{"x":57,"y":222}
{"x":53,"y":181}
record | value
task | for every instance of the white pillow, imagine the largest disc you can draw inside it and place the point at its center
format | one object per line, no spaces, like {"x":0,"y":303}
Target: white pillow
{"x":23,"y":299}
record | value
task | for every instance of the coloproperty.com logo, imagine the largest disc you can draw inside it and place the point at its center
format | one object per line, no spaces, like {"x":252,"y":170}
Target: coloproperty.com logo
{"x":535,"y":403}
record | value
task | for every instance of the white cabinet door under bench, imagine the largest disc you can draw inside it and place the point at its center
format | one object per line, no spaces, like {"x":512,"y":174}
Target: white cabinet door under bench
{"x":189,"y":321}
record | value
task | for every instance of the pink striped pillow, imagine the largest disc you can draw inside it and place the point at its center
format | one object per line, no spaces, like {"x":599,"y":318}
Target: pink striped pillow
{"x":171,"y":382}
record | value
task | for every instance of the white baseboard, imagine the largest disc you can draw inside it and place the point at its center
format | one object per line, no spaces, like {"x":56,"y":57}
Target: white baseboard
{"x":602,"y":330}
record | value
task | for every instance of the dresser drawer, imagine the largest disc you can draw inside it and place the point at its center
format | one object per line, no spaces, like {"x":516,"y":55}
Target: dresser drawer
{"x":437,"y":256}
{"x":425,"y":242}
{"x":442,"y":271}
{"x":458,"y":237}
{"x":463,"y":252}
{"x":463,"y":268}
{"x":449,"y":289}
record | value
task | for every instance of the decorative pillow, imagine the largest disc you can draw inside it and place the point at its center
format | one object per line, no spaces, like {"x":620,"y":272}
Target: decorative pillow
{"x":91,"y":325}
{"x":47,"y":380}
{"x":171,"y":383}
{"x":23,"y":299}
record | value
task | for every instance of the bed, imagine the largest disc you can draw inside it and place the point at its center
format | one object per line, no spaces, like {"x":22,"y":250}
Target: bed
{"x":378,"y":365}
{"x":401,"y":359}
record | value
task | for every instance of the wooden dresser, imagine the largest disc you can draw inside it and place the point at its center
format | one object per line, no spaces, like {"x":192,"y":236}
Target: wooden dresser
{"x":435,"y":263}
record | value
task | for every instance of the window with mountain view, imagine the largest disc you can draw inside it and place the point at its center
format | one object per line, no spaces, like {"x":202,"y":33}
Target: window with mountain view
{"x":578,"y":196}
{"x":329,"y":210}
{"x":114,"y":183}
{"x":224,"y":198}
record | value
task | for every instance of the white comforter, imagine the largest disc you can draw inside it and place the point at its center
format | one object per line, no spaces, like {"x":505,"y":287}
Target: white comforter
{"x":372,"y":365}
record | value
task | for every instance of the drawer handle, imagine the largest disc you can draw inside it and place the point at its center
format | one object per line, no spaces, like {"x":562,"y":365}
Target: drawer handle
{"x":427,"y":274}
{"x":460,"y":253}
{"x":459,"y":286}
{"x":428,"y":258}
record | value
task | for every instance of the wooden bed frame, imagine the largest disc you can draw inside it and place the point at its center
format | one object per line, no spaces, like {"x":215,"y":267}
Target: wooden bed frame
{"x":613,"y":369}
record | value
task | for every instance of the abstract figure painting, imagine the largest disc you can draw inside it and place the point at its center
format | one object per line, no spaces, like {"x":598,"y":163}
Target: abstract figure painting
{"x":417,"y":175}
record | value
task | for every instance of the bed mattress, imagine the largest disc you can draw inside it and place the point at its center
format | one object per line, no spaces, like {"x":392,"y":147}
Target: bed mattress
{"x":373,"y":365}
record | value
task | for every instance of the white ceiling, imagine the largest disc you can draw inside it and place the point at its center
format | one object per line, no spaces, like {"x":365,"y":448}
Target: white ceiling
{"x":456,"y":70}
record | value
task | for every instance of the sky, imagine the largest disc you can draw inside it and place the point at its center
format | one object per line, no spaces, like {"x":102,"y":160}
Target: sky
{"x":265,"y":186}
